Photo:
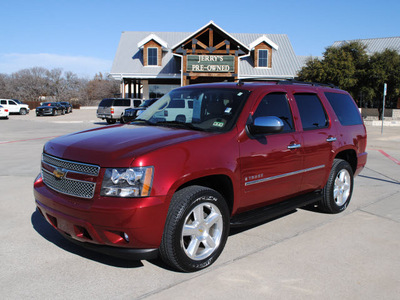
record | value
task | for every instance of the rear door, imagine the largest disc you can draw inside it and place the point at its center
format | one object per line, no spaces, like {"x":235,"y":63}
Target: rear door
{"x":317,"y":142}
{"x":105,"y":106}
{"x":271,"y":164}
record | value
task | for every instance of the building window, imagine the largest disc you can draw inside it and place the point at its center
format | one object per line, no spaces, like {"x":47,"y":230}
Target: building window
{"x":263,"y":58}
{"x":159,"y":90}
{"x":152,"y":54}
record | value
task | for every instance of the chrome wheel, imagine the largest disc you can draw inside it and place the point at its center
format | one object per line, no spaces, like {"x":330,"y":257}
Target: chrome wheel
{"x":342,"y":187}
{"x":202,"y":231}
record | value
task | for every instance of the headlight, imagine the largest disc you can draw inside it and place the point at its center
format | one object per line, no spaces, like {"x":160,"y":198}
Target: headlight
{"x":127,"y":182}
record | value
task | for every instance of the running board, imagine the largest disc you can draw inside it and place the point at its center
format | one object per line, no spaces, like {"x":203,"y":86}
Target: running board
{"x":270,"y":212}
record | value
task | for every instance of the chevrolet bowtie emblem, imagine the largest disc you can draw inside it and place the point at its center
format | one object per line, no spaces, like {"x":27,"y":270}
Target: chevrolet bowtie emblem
{"x":59,"y":173}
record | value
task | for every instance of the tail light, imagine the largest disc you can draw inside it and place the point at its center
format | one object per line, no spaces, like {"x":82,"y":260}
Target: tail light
{"x":112,"y":110}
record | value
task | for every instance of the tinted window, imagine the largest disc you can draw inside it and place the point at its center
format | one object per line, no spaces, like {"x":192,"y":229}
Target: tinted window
{"x":276,"y":105}
{"x":344,"y":108}
{"x":122,"y":102}
{"x":312,"y":113}
{"x":177,"y":104}
{"x":136,"y":103}
{"x":106,"y":102}
{"x":263,"y":58}
{"x":152,"y":56}
{"x":3,"y":102}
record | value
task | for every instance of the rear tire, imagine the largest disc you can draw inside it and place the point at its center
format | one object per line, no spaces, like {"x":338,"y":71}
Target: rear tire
{"x":339,"y":188}
{"x":196,"y":229}
{"x":111,"y":121}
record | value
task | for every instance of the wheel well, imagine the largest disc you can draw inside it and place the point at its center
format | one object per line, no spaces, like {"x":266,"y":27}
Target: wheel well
{"x":350,"y":156}
{"x":220,"y":183}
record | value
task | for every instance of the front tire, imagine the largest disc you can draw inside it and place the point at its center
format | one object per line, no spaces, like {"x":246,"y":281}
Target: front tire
{"x":339,"y":188}
{"x":23,"y":111}
{"x":196,"y":229}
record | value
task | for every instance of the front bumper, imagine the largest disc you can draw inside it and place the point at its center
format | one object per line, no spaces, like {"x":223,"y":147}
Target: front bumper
{"x":127,"y":228}
{"x":44,"y":112}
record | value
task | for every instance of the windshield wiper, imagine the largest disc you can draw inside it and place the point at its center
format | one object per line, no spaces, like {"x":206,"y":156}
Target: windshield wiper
{"x":179,"y":124}
{"x":146,"y":122}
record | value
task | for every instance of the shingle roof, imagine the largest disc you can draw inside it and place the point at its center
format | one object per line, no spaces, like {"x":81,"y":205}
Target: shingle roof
{"x":128,"y":61}
{"x":375,"y":45}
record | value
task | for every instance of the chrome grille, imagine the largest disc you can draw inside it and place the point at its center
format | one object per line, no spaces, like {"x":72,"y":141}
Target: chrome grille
{"x":72,"y":187}
{"x":71,"y":165}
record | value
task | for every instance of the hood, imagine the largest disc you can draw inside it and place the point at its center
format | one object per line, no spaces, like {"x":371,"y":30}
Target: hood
{"x":116,"y":146}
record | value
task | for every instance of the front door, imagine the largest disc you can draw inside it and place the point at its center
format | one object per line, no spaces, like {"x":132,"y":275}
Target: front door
{"x":271,"y":164}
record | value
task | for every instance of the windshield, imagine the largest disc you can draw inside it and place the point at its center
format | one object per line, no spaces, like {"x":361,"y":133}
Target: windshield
{"x":206,"y":109}
{"x":147,"y":103}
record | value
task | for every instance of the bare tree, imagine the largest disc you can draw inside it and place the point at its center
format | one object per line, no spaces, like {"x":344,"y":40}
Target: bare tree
{"x":34,"y":83}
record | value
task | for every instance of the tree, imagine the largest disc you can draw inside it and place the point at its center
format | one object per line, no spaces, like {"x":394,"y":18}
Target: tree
{"x":101,"y":87}
{"x":384,"y":68}
{"x":343,"y":66}
{"x":31,"y":84}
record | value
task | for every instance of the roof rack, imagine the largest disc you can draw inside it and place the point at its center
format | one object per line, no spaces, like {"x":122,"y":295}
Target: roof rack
{"x":292,"y":81}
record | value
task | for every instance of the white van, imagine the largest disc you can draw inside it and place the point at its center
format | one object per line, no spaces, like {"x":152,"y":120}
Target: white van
{"x":15,"y":106}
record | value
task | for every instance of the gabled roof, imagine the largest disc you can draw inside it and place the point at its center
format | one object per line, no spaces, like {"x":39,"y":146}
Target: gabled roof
{"x":128,"y":61}
{"x":154,"y":37}
{"x":375,"y":45}
{"x":262,"y":39}
{"x":204,"y":27}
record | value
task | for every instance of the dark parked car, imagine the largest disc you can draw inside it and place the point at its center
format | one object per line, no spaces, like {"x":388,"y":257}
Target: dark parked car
{"x":67,"y":105}
{"x":50,"y":108}
{"x":131,"y":113}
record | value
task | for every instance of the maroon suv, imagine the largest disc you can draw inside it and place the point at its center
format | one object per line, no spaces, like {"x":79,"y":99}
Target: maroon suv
{"x":200,"y":160}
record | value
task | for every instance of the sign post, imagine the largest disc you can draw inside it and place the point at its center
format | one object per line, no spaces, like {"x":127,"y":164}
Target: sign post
{"x":383,"y":108}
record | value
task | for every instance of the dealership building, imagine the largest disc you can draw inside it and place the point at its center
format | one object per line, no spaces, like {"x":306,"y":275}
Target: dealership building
{"x":150,"y":64}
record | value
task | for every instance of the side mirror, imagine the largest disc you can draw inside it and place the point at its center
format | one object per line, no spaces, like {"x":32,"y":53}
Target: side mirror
{"x":265,"y":125}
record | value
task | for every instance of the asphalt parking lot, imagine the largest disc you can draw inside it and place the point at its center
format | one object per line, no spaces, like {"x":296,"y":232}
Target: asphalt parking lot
{"x":303,"y":255}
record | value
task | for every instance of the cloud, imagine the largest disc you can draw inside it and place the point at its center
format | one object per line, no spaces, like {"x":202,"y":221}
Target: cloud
{"x":80,"y":65}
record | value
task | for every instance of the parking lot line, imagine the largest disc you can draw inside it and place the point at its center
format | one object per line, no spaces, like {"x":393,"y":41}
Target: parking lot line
{"x":390,"y":157}
{"x":17,"y":141}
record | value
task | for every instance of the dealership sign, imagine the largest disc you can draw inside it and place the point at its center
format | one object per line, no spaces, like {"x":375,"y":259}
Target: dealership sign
{"x":210,"y":63}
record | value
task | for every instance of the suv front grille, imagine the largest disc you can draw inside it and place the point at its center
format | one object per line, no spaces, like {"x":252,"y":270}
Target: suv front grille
{"x":71,"y":165}
{"x":65,"y":185}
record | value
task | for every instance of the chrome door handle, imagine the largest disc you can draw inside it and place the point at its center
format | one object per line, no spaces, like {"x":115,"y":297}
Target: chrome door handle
{"x":294,"y":146}
{"x":331,"y":139}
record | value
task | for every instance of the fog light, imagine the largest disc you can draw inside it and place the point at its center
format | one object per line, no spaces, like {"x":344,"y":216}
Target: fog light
{"x":126,"y":237}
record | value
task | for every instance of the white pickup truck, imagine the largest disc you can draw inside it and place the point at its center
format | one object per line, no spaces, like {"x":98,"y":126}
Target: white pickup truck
{"x":15,"y":106}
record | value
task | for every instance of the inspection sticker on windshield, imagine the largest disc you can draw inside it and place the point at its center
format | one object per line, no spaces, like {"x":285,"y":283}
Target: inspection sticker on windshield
{"x":218,"y":124}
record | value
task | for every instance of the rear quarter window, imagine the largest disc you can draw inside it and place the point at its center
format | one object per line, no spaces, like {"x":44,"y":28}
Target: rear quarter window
{"x":106,"y":102}
{"x":345,"y":108}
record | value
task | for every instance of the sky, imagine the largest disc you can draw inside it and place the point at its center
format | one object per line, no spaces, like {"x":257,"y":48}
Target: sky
{"x":82,"y":36}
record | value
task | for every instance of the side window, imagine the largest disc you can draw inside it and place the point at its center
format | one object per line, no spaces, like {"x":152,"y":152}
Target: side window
{"x":11,"y":102}
{"x":276,"y":104}
{"x":3,"y":102}
{"x":137,"y":102}
{"x":312,"y":113}
{"x":345,"y":109}
{"x":177,"y":104}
